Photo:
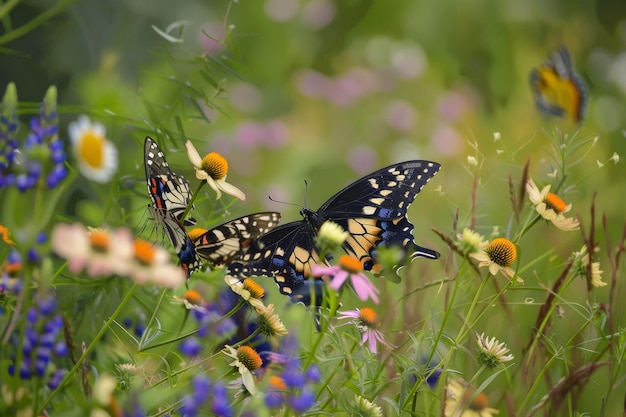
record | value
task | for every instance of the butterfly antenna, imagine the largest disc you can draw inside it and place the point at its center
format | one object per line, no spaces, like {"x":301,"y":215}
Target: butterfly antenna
{"x":282,"y":202}
{"x":306,"y":192}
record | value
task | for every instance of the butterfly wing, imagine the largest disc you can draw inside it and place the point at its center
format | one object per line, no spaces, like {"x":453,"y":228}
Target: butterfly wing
{"x":558,"y":91}
{"x":286,"y":253}
{"x":183,"y":246}
{"x":230,"y":240}
{"x":169,"y":191}
{"x":372,"y":209}
{"x":170,"y":194}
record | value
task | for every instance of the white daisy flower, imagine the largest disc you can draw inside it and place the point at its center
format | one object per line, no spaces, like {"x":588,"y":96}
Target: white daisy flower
{"x":96,"y":156}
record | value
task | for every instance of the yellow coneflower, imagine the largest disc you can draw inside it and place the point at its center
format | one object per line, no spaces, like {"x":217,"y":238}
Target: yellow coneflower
{"x":498,"y":255}
{"x":246,"y":360}
{"x":213,"y":169}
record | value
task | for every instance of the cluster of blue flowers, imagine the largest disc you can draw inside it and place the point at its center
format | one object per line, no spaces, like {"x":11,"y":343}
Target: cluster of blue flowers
{"x":42,"y":153}
{"x":297,"y":393}
{"x":43,"y":342}
{"x":205,"y":391}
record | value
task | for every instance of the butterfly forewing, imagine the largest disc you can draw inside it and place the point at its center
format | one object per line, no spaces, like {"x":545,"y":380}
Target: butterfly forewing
{"x":169,"y":191}
{"x":170,"y":195}
{"x":231,"y":240}
{"x":384,"y":194}
{"x":372,"y":209}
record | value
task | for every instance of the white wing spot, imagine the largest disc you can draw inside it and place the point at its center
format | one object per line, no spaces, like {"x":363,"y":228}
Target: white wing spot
{"x":373,"y":183}
{"x":377,"y":201}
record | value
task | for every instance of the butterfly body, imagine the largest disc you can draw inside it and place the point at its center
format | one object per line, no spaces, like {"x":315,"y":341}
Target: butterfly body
{"x":373,"y":212}
{"x":558,"y":91}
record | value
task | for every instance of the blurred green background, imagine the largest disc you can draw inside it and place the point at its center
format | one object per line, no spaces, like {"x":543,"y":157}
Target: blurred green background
{"x":327,"y":91}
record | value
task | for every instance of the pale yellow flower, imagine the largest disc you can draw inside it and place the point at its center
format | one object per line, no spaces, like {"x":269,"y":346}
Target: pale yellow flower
{"x":469,"y":241}
{"x":331,"y":236}
{"x":269,"y":322}
{"x":551,"y":207}
{"x":363,"y":407}
{"x":213,"y":169}
{"x":581,"y":265}
{"x":462,"y":401}
{"x":491,"y":352}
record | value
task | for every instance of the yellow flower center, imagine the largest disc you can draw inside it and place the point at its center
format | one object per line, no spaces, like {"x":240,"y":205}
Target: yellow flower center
{"x":350,"y":264}
{"x":501,"y":251}
{"x":480,"y":401}
{"x":91,"y":149}
{"x":99,"y":240}
{"x":215,"y":165}
{"x":193,"y":297}
{"x":249,"y":358}
{"x":368,"y":317}
{"x":194,"y":234}
{"x":144,"y":252}
{"x":277,"y":382}
{"x":554,"y":202}
{"x":255,"y":290}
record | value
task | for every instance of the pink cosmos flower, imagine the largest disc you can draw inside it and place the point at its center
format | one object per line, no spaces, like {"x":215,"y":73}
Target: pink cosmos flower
{"x":352,"y":268}
{"x":366,"y":321}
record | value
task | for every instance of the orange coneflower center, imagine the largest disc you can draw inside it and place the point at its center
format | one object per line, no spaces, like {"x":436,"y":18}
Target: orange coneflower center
{"x":255,"y":290}
{"x":193,"y":297}
{"x":99,"y":240}
{"x":350,"y":264}
{"x":368,"y":317}
{"x":478,"y":403}
{"x":554,"y":202}
{"x":195,"y":233}
{"x":249,"y":358}
{"x":277,"y":382}
{"x":144,"y":252}
{"x":91,"y":149}
{"x":6,"y":236}
{"x":501,"y":251}
{"x":12,"y":269}
{"x":215,"y":165}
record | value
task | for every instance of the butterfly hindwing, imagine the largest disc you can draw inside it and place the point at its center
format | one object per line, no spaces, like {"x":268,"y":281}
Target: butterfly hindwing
{"x":230,"y":240}
{"x":372,"y":209}
{"x":557,"y":89}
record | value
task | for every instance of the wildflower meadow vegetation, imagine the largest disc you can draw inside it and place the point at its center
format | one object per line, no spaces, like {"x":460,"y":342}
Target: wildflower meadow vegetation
{"x":291,"y":207}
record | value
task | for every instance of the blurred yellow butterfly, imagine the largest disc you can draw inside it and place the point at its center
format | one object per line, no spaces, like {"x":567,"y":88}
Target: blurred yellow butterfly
{"x":558,"y":90}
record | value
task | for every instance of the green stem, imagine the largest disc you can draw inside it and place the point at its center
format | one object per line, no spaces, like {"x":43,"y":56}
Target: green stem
{"x":193,"y":198}
{"x":89,"y":348}
{"x":34,"y":23}
{"x":7,"y":7}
